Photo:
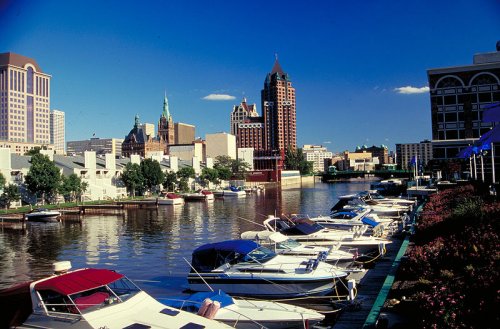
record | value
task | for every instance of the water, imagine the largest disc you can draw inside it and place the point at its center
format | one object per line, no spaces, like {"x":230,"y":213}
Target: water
{"x":150,"y":245}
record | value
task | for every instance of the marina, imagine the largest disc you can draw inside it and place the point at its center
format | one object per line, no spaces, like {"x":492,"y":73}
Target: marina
{"x":134,"y":238}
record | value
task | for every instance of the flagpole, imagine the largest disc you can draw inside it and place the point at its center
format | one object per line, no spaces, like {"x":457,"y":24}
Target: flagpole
{"x":482,"y":167}
{"x":493,"y":162}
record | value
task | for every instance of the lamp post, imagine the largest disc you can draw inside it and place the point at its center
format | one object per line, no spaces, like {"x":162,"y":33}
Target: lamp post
{"x":493,"y":163}
{"x":482,"y":165}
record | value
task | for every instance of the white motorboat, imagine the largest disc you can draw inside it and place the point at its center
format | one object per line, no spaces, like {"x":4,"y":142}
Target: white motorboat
{"x":90,"y":298}
{"x":43,"y":215}
{"x":244,"y":268}
{"x":202,"y":195}
{"x":170,"y":199}
{"x":310,"y":233}
{"x":232,"y":191}
{"x":356,"y":201}
{"x":246,"y":314}
{"x":380,"y":199}
{"x":283,"y":245}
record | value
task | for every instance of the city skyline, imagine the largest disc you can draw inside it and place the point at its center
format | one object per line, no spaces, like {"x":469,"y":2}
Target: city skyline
{"x":360,"y":71}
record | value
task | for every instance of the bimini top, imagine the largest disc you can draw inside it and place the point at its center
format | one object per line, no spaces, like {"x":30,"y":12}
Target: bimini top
{"x":212,"y":255}
{"x":196,"y":300}
{"x":78,"y":281}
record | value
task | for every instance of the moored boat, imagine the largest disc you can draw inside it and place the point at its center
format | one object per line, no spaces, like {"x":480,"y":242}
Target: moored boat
{"x":90,"y":298}
{"x":244,"y":268}
{"x":246,"y":314}
{"x":43,"y":215}
{"x":202,"y":195}
{"x":170,"y":199}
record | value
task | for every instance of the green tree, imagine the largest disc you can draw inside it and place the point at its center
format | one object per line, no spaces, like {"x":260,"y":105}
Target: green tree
{"x":170,"y":181}
{"x":184,"y":174}
{"x":72,"y":187}
{"x":35,"y":150}
{"x":43,"y":178}
{"x":239,"y":168}
{"x":152,"y":173}
{"x":295,"y":160}
{"x":132,"y":178}
{"x":209,"y":175}
{"x":2,"y":180}
{"x":224,"y":166}
{"x":10,"y":194}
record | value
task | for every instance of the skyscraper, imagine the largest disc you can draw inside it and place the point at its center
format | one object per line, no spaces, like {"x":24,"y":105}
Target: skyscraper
{"x":24,"y":100}
{"x":57,"y":130}
{"x":278,"y":107}
{"x":240,"y":113}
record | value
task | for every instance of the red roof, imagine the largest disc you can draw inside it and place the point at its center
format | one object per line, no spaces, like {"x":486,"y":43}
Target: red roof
{"x":78,"y":281}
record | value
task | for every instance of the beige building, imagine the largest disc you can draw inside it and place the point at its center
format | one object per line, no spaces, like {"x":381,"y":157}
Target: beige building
{"x":24,"y":101}
{"x":21,"y":148}
{"x":317,"y":155}
{"x":360,"y":161}
{"x":149,"y":128}
{"x":405,"y":153}
{"x":221,"y":144}
{"x":98,"y":145}
{"x":184,"y":133}
{"x":187,"y":152}
{"x":57,"y":130}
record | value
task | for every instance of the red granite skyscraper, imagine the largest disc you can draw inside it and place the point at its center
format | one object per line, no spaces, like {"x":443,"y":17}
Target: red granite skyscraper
{"x":278,"y":107}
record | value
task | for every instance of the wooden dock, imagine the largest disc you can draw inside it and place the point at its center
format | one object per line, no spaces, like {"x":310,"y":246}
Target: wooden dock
{"x":369,"y":285}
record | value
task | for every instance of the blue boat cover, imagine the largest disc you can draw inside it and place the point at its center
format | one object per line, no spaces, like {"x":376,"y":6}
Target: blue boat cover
{"x":233,"y":188}
{"x":369,"y":221}
{"x":239,"y":246}
{"x":196,"y":300}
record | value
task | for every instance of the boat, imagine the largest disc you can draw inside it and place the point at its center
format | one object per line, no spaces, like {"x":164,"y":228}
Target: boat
{"x":358,"y":201}
{"x":90,"y":298}
{"x":283,"y":245}
{"x":309,"y":233}
{"x":43,"y":215}
{"x":170,"y":199}
{"x":232,"y":191}
{"x":244,"y":268}
{"x":380,"y":199}
{"x":202,"y":195}
{"x":246,"y":314}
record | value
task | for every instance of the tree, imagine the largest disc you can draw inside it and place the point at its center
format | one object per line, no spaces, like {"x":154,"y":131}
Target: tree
{"x":132,"y":178}
{"x":10,"y":194}
{"x":43,"y":178}
{"x":210,"y":175}
{"x":2,"y":180}
{"x":152,"y":173}
{"x":170,"y":181}
{"x":224,"y":166}
{"x":239,"y":168}
{"x":72,"y":187}
{"x":35,"y":150}
{"x":184,"y":174}
{"x":295,"y":160}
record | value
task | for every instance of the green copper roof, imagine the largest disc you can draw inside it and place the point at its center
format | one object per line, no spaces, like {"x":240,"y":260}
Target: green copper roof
{"x":165,"y":112}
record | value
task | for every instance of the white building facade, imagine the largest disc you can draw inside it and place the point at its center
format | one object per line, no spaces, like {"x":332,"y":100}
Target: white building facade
{"x":220,"y":144}
{"x":317,"y":155}
{"x":57,"y":130}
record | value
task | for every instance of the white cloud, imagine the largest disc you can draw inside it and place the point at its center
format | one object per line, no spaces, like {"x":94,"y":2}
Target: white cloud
{"x":218,"y":97}
{"x":411,"y":90}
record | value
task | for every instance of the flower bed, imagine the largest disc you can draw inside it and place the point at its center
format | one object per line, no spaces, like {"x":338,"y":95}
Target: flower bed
{"x":455,"y":262}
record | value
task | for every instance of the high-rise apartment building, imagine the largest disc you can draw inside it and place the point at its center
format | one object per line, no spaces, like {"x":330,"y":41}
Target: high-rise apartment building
{"x":406,"y":153}
{"x":24,"y":100}
{"x":240,"y":113}
{"x":317,"y":154}
{"x":459,"y":95}
{"x":57,"y":130}
{"x":279,"y":112}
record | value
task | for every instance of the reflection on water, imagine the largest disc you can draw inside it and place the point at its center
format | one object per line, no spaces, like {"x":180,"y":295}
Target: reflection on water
{"x":146,"y":244}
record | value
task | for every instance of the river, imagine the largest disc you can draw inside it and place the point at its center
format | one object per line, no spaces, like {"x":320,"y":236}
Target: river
{"x":151,"y":246}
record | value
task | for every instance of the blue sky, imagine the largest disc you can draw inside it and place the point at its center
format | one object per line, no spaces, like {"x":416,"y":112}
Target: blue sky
{"x":111,"y":60}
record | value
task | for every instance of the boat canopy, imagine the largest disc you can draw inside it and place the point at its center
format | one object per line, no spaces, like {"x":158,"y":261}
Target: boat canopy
{"x":212,"y":255}
{"x":369,"y":221}
{"x":78,"y":281}
{"x":196,"y":300}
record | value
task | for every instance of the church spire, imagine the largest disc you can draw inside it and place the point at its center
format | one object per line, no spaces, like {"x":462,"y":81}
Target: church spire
{"x":165,"y":112}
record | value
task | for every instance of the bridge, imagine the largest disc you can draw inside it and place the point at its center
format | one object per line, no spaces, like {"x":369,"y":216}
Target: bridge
{"x":382,"y":174}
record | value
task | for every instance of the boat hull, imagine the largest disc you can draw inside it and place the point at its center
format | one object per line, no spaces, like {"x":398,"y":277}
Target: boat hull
{"x":262,"y":287}
{"x":42,"y":218}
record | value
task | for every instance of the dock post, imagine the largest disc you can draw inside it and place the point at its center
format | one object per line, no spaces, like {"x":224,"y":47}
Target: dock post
{"x":381,"y":249}
{"x":351,"y":286}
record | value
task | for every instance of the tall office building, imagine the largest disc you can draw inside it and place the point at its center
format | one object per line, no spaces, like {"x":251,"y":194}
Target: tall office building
{"x":278,"y":107}
{"x":406,"y":153}
{"x":24,"y":100}
{"x":57,"y":130}
{"x":459,"y":95}
{"x":99,"y":145}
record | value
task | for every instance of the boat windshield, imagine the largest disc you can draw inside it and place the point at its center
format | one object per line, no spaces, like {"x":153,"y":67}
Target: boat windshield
{"x":259,"y":255}
{"x":115,"y":292}
{"x":289,"y":244}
